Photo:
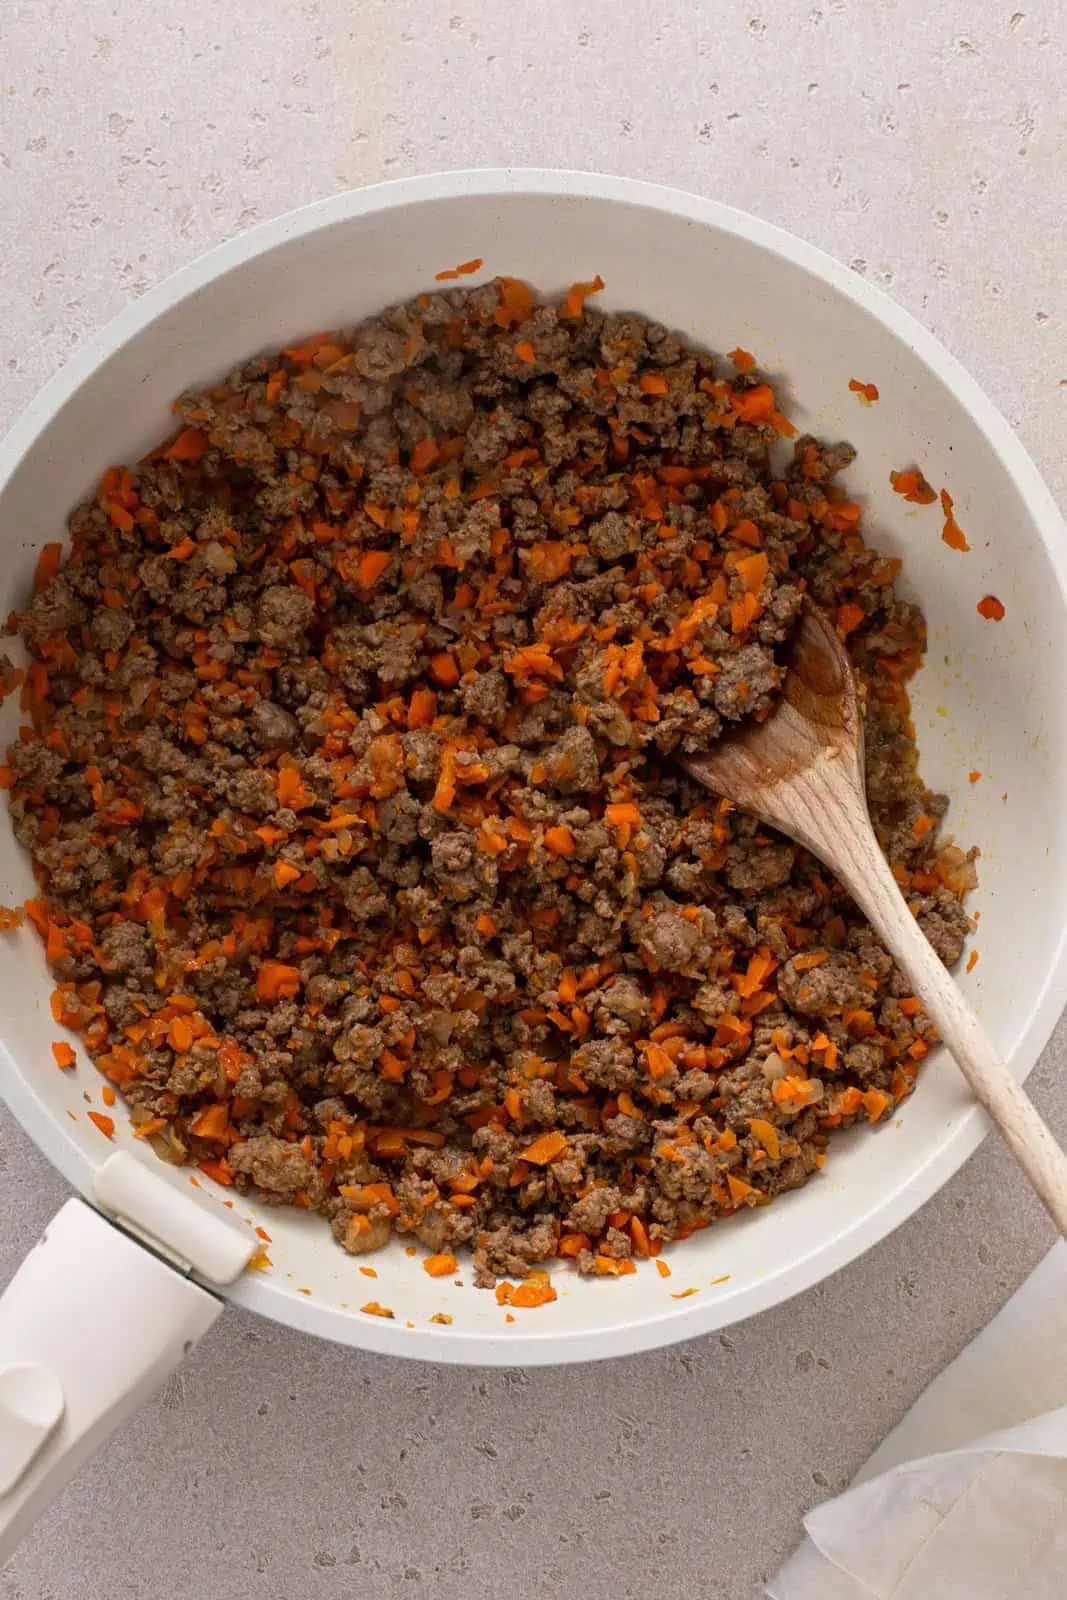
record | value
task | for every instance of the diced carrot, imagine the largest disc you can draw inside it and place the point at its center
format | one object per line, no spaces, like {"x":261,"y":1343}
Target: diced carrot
{"x":644,"y":1246}
{"x":422,"y":708}
{"x":516,"y":302}
{"x":875,"y":1103}
{"x":791,"y":1092}
{"x":450,"y":273}
{"x":658,"y":1061}
{"x":913,"y":486}
{"x":424,"y":454}
{"x":212,"y":1123}
{"x":578,"y":294}
{"x":443,"y":670}
{"x":535,"y":1292}
{"x":740,"y":1191}
{"x":440,"y":1266}
{"x":445,"y":791}
{"x":549,"y":559}
{"x":616,"y":815}
{"x":810,"y":959}
{"x":188,"y":446}
{"x":613,"y":1266}
{"x":291,"y":791}
{"x":743,"y":612}
{"x":753,"y":405}
{"x":952,"y":533}
{"x":767,"y":1134}
{"x":867,"y":392}
{"x":545,"y":1149}
{"x":745,"y":531}
{"x":752,"y":571}
{"x":180,"y":1034}
{"x":276,"y":980}
{"x":371,"y":565}
{"x":48,"y":564}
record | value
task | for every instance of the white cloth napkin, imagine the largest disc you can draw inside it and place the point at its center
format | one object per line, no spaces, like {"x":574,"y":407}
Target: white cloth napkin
{"x":967,"y":1497}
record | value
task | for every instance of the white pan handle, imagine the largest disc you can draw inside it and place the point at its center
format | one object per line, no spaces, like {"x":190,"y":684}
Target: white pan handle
{"x":90,"y":1325}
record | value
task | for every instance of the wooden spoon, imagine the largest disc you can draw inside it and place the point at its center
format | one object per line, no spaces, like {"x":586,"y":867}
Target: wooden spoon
{"x":802,"y":772}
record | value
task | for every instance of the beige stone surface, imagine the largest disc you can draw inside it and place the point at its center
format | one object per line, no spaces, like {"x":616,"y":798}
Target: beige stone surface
{"x":925,"y":146}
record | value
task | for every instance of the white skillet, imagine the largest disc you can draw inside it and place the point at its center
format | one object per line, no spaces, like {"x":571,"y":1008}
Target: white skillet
{"x":130,"y":1277}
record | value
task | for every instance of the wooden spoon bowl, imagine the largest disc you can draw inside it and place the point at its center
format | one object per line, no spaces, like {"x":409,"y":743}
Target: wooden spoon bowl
{"x":802,"y":772}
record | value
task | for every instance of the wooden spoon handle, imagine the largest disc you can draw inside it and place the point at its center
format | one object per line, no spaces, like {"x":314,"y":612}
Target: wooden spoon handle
{"x":862,"y":867}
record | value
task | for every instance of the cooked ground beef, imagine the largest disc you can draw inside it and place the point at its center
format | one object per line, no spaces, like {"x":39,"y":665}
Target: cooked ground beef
{"x":368,"y":872}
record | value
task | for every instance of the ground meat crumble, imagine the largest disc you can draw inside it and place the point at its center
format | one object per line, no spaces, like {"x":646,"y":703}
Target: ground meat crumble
{"x":368,"y":872}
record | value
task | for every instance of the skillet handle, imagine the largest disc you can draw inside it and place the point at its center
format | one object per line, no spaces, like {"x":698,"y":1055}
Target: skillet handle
{"x":90,"y":1326}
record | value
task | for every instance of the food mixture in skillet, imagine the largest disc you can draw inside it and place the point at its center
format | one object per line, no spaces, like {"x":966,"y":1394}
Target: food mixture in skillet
{"x":368,"y":872}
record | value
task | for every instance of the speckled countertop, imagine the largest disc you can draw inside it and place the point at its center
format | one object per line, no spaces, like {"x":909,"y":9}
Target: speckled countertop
{"x":923,"y":145}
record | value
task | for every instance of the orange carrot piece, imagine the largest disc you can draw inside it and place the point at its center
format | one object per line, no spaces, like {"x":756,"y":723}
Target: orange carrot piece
{"x":753,"y":405}
{"x":752,"y":571}
{"x":443,"y":670}
{"x":867,"y":392}
{"x":577,"y":295}
{"x":545,"y":1149}
{"x":535,"y":1292}
{"x":370,"y":566}
{"x":212,"y":1123}
{"x":875,"y":1103}
{"x":188,"y":446}
{"x":422,"y":708}
{"x":464,"y":270}
{"x":276,"y":980}
{"x":616,"y":815}
{"x":424,"y":454}
{"x":440,"y":1266}
{"x":849,"y":617}
{"x":913,"y":486}
{"x":48,"y":564}
{"x":952,"y":533}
